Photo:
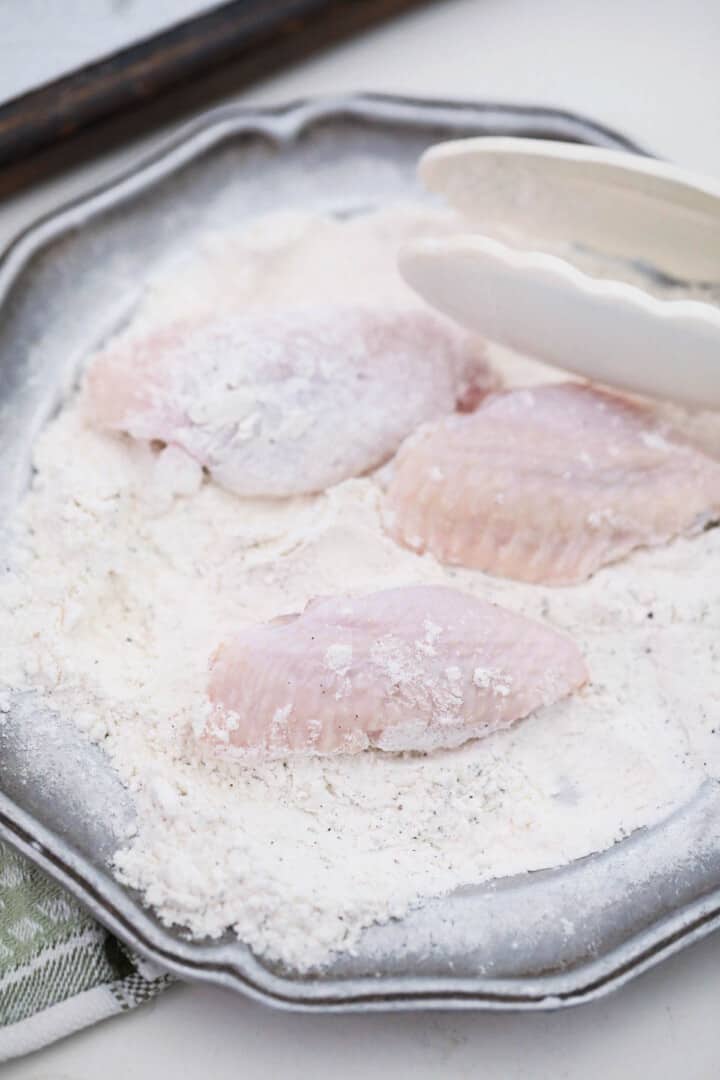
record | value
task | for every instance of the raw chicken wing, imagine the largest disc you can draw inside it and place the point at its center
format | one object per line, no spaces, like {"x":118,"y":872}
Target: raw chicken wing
{"x":412,"y":668}
{"x":549,"y":484}
{"x":288,"y":401}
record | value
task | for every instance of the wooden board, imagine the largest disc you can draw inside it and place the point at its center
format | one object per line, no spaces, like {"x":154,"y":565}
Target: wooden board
{"x":255,"y":37}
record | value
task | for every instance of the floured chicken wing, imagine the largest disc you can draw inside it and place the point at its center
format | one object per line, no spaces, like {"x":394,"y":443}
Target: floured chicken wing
{"x":548,"y":484}
{"x":413,"y":668}
{"x":291,"y":401}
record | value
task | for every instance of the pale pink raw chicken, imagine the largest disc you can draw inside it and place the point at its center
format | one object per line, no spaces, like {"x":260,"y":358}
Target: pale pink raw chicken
{"x":414,"y":668}
{"x":288,"y":401}
{"x":548,"y":484}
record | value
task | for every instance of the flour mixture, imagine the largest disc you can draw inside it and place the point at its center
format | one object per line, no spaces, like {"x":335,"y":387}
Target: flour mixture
{"x":131,"y":565}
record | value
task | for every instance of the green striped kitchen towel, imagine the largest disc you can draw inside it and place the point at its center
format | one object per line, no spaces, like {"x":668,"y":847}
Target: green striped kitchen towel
{"x":59,"y":970}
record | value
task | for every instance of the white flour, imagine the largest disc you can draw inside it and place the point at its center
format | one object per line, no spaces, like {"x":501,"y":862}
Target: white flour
{"x":121,"y":591}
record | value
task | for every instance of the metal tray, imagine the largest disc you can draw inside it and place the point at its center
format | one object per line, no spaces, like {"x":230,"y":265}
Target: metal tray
{"x":506,"y":945}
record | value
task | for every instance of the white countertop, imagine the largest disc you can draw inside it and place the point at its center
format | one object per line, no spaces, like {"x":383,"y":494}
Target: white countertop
{"x":649,"y":68}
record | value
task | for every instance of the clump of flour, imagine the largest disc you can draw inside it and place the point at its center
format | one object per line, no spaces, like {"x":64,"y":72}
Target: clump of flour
{"x":132,"y":568}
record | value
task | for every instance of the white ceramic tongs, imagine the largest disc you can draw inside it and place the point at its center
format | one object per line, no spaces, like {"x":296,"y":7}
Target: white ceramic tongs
{"x":538,"y":215}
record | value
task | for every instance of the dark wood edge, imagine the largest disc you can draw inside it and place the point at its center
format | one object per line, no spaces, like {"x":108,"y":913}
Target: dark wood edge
{"x":256,"y":37}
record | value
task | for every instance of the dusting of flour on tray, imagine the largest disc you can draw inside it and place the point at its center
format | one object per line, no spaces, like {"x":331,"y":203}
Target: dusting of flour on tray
{"x":132,"y":568}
